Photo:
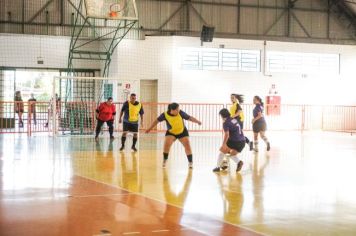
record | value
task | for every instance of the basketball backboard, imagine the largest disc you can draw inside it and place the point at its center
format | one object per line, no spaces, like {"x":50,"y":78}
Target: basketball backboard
{"x":111,"y":9}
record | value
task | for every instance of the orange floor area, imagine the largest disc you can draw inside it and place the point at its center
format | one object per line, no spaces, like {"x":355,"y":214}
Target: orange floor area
{"x":74,"y":186}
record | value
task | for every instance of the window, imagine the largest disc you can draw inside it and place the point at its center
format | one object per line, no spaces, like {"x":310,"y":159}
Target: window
{"x":291,"y":62}
{"x":220,"y":59}
{"x":190,"y":59}
{"x":210,"y":59}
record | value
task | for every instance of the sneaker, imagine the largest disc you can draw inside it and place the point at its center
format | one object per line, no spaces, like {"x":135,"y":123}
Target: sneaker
{"x":216,"y":169}
{"x":164,"y":163}
{"x":255,"y":149}
{"x":268,"y":146}
{"x":134,"y":149}
{"x":251,"y":146}
{"x":96,"y":139}
{"x":112,"y":137}
{"x":190,"y":165}
{"x":46,"y":125}
{"x":21,"y":124}
{"x":224,"y":167}
{"x":239,"y":166}
{"x":122,"y":148}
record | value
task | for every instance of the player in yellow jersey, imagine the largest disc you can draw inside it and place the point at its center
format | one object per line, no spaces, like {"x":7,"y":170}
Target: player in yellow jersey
{"x":176,"y":129}
{"x":237,"y":112}
{"x":132,"y":111}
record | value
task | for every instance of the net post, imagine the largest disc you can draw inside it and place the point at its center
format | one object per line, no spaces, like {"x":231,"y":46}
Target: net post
{"x":54,"y":108}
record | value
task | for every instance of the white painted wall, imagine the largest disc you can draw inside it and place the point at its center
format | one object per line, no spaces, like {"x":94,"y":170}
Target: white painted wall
{"x":215,"y":86}
{"x":157,"y":58}
{"x":18,"y":50}
{"x":149,"y":59}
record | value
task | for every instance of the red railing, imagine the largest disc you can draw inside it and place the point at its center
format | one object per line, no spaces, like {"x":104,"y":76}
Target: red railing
{"x":79,"y":117}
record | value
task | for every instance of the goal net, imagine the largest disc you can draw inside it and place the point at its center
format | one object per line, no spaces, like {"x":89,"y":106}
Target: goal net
{"x":72,"y":109}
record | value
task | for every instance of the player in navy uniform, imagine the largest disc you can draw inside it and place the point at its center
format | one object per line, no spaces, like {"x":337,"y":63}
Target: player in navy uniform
{"x":234,"y":140}
{"x":131,"y":110}
{"x":259,"y":124}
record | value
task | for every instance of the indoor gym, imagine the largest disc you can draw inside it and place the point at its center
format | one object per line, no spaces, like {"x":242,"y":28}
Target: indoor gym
{"x":61,"y":60}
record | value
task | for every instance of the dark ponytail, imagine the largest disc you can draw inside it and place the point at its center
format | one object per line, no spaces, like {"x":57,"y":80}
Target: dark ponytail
{"x":259,"y":100}
{"x":239,"y":97}
{"x":172,"y":106}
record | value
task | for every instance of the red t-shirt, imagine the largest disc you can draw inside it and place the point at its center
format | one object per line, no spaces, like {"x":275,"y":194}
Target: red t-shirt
{"x":106,"y":112}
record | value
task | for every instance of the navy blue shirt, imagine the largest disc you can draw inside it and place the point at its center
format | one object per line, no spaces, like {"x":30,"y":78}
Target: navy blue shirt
{"x":258,"y":108}
{"x":232,"y":126}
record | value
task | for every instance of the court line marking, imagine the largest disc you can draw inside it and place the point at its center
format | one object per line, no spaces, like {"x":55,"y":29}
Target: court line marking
{"x":99,"y":195}
{"x":166,"y":203}
{"x":131,"y":233}
{"x":160,"y":230}
{"x":62,"y":196}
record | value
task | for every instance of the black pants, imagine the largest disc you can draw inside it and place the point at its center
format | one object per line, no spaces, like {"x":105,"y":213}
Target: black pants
{"x":100,"y":124}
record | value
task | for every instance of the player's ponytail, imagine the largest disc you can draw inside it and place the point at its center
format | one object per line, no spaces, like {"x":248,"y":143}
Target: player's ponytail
{"x":172,"y":106}
{"x":239,"y":97}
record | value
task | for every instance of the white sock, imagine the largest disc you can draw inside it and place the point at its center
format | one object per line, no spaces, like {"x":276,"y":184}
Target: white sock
{"x":220,"y":158}
{"x":235,"y":159}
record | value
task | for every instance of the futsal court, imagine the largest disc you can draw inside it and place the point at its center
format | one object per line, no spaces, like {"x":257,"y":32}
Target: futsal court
{"x":177,"y":117}
{"x":75,"y":186}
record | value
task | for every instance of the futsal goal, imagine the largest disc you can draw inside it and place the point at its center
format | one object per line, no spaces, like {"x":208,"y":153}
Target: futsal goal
{"x":72,"y":109}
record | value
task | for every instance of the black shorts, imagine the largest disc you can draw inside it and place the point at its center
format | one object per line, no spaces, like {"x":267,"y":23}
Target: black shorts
{"x":129,"y":127}
{"x":185,"y":133}
{"x":259,"y":126}
{"x":236,"y":145}
{"x":21,"y":110}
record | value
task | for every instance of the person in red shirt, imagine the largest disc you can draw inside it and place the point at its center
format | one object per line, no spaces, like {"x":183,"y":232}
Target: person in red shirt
{"x":105,"y":113}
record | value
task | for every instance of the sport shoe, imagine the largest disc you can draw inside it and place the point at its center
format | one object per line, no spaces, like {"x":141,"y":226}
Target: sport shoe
{"x":96,"y":139}
{"x":164,"y":163}
{"x":239,"y":166}
{"x":251,"y":146}
{"x":217,"y":169}
{"x":268,"y":146}
{"x":122,"y":148}
{"x":256,"y":149}
{"x":224,"y":167}
{"x":190,"y":165}
{"x":112,"y":137}
{"x":134,"y":149}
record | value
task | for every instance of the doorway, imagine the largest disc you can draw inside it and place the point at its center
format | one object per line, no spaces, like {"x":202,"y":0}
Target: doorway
{"x":149,"y":97}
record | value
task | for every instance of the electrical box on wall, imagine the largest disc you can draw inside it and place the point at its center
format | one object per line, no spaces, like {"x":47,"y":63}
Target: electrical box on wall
{"x":273,"y":105}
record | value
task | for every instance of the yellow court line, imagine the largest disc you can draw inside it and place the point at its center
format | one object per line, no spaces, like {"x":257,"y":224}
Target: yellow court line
{"x":158,"y":200}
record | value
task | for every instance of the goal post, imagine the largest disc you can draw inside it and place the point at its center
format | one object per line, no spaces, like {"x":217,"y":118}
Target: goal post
{"x":74,"y":101}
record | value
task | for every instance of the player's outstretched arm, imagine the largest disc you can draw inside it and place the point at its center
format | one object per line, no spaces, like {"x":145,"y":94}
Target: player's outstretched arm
{"x":154,"y":124}
{"x":194,"y":120}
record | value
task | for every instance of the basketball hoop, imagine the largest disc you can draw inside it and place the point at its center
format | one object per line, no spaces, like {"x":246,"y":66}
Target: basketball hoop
{"x":115,"y":9}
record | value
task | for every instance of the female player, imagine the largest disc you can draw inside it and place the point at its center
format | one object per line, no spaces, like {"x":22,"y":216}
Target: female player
{"x":236,"y":112}
{"x":234,"y":140}
{"x":259,"y":123}
{"x":105,"y":113}
{"x":174,"y":118}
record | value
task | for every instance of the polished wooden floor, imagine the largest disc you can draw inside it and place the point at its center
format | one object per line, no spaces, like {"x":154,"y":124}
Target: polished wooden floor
{"x":74,"y":186}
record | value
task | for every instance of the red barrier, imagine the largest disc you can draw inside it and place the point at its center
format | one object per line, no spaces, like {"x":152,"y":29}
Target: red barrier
{"x":79,"y":117}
